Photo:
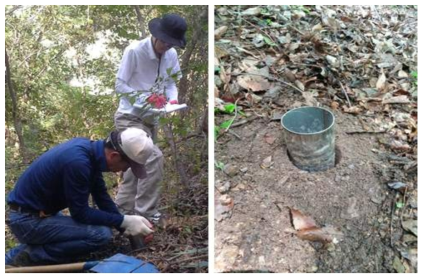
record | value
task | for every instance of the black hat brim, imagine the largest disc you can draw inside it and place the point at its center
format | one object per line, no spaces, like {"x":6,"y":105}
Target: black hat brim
{"x":155,"y":30}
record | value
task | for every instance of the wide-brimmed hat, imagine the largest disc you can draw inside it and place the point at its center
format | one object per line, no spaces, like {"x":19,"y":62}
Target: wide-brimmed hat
{"x":170,"y":29}
{"x":136,"y":146}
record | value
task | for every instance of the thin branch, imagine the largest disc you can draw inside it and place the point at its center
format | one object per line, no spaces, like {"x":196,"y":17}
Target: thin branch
{"x":345,"y":93}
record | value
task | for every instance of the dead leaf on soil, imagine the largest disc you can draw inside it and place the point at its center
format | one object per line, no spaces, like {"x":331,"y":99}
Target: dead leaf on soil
{"x":254,"y":83}
{"x":268,"y":138}
{"x":353,"y":110}
{"x":301,"y":221}
{"x":267,"y":162}
{"x":334,"y":105}
{"x":309,"y":98}
{"x":381,"y":83}
{"x":252,"y":11}
{"x":289,"y":75}
{"x":216,"y":92}
{"x":411,"y":226}
{"x":402,"y":99}
{"x":223,"y":207}
{"x":300,"y":85}
{"x":219,"y":32}
{"x":307,"y":229}
{"x":326,"y":234}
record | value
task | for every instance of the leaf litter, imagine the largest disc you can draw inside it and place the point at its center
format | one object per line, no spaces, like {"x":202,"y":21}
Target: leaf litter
{"x":358,"y":61}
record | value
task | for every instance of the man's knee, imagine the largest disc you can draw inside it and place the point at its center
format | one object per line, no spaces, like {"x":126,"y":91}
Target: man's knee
{"x":101,"y":235}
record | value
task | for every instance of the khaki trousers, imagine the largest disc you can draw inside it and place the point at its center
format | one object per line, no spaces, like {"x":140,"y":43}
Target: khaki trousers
{"x":140,"y":196}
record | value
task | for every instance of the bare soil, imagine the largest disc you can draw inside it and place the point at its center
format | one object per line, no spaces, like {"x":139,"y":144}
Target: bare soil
{"x":350,"y":197}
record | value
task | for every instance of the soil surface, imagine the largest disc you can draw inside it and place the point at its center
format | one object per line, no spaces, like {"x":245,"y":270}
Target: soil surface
{"x":259,"y":235}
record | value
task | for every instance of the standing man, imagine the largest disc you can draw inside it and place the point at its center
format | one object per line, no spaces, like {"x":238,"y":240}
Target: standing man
{"x":64,"y":177}
{"x":148,"y":66}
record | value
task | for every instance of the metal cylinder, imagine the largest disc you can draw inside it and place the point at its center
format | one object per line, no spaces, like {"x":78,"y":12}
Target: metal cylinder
{"x":136,"y":242}
{"x":310,"y":138}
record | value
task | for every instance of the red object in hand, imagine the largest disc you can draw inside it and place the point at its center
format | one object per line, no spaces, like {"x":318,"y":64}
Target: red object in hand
{"x":148,"y":238}
{"x":157,"y":100}
{"x":173,"y":102}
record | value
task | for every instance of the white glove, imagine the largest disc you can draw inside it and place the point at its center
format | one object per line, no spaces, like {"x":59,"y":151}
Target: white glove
{"x":136,"y":225}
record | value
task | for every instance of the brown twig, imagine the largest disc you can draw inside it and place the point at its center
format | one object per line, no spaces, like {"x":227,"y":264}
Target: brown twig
{"x":244,"y":121}
{"x":365,"y":132}
{"x":191,"y":259}
{"x":345,"y":93}
{"x":234,"y":134}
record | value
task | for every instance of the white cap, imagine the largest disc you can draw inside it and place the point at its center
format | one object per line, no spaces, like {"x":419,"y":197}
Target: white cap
{"x":138,"y":146}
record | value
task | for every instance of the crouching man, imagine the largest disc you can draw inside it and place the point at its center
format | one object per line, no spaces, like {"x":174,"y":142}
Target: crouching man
{"x":64,"y":177}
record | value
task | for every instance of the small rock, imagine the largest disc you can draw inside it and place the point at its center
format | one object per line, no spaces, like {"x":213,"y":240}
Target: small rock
{"x":261,"y":260}
{"x":352,"y":210}
{"x":225,"y":199}
{"x":224,"y":187}
{"x":314,"y":268}
{"x":330,"y":247}
{"x":226,"y":258}
{"x":351,"y":166}
{"x":267,"y":162}
{"x":245,"y":169}
{"x":230,"y":170}
{"x":283,"y":180}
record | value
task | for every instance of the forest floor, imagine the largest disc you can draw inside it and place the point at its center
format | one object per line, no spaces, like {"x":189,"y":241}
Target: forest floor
{"x":369,"y":199}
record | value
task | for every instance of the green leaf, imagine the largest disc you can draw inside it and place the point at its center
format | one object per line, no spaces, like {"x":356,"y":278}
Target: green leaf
{"x":217,"y":129}
{"x":219,"y":165}
{"x":229,"y":108}
{"x":226,"y":124}
{"x":400,"y":204}
{"x":268,"y":41}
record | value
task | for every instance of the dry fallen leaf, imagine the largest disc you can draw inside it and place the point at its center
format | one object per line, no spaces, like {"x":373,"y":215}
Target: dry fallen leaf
{"x":268,"y":138}
{"x":219,"y":32}
{"x":252,"y":11}
{"x":301,"y":221}
{"x":381,"y":83}
{"x":223,"y":206}
{"x":300,"y":85}
{"x":402,"y":99}
{"x":254,"y":83}
{"x":353,"y":110}
{"x":335,"y":105}
{"x":289,"y":75}
{"x":267,"y":162}
{"x":308,"y":229}
{"x":326,"y":234}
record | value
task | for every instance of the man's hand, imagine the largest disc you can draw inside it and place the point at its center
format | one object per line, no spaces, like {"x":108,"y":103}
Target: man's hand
{"x":136,"y":225}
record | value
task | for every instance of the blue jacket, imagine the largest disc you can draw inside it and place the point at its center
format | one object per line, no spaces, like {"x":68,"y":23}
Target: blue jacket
{"x":63,"y":177}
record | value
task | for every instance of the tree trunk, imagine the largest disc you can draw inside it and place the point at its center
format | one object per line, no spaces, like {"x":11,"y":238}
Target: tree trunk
{"x":179,"y":167}
{"x":141,"y":21}
{"x":16,"y":119}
